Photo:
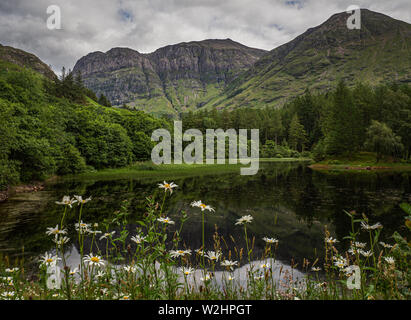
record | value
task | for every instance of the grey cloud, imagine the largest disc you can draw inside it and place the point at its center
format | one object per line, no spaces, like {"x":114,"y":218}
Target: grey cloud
{"x":145,"y":25}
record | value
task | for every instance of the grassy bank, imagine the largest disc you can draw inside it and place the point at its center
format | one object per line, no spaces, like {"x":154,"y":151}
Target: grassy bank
{"x":361,"y":161}
{"x":148,"y":170}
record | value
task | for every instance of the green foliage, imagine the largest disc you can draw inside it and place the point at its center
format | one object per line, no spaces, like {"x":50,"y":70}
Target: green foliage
{"x":56,"y":127}
{"x":382,"y":140}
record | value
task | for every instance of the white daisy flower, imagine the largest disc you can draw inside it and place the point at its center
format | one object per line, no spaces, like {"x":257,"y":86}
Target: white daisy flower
{"x":130,"y":269}
{"x":212,"y":255}
{"x":82,"y":227}
{"x":138,"y":239}
{"x":165,"y":220}
{"x":390,"y":260}
{"x":93,"y":260}
{"x":49,"y":260}
{"x":108,"y":235}
{"x":67,"y":201}
{"x":179,"y":253}
{"x":80,"y":199}
{"x":12,"y":270}
{"x":55,"y":231}
{"x":244,"y":220}
{"x":207,"y":277}
{"x":201,"y":205}
{"x":316,"y":269}
{"x":270,"y":240}
{"x":367,"y":227}
{"x":186,"y":270}
{"x":366,"y":253}
{"x":61,"y":240}
{"x":385,"y":245}
{"x":229,"y":264}
{"x":72,"y":272}
{"x":167,"y":186}
{"x":265,"y":266}
{"x":330,"y":240}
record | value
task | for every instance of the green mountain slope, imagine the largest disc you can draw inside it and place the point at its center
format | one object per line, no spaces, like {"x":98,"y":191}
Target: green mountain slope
{"x":380,"y":51}
{"x":25,"y":59}
{"x":170,"y":80}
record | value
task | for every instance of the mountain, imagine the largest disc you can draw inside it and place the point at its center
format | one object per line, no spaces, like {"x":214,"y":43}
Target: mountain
{"x":170,"y":80}
{"x":25,"y":59}
{"x":378,"y":52}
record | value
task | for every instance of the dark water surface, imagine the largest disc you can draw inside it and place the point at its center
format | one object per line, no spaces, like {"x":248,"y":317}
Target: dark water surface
{"x":288,"y":201}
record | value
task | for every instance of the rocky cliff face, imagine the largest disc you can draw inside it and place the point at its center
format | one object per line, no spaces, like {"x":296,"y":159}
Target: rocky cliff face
{"x":170,"y":80}
{"x":378,"y":52}
{"x":25,"y":59}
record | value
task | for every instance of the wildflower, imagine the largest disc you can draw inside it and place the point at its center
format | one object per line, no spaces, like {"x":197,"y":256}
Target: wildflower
{"x":80,"y":199}
{"x":179,"y":253}
{"x":8,"y":280}
{"x":82,"y":227}
{"x":360,"y":245}
{"x":8,"y":295}
{"x":130,"y":269}
{"x":229,"y":264}
{"x":207,"y":277}
{"x":92,"y":260}
{"x":385,"y":245}
{"x":49,"y":260}
{"x":187,"y":271}
{"x":390,"y":260}
{"x":244,"y":220}
{"x":230,"y":278}
{"x":367,"y":227}
{"x":72,"y":272}
{"x":100,"y":274}
{"x":265,"y":266}
{"x":94,"y":232}
{"x":165,"y":220}
{"x":340,"y":262}
{"x":330,"y":240}
{"x":61,"y":241}
{"x":212,"y":255}
{"x":108,"y":234}
{"x":200,"y":252}
{"x":316,"y":269}
{"x":167,"y":186}
{"x":201,"y":205}
{"x":366,"y":253}
{"x":55,"y":231}
{"x":138,"y":239}
{"x":270,"y":240}
{"x":12,"y":270}
{"x":67,"y":201}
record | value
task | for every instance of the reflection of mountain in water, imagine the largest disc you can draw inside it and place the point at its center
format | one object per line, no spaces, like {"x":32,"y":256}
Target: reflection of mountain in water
{"x":288,"y":201}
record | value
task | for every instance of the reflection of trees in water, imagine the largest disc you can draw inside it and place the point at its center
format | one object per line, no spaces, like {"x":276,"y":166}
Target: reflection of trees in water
{"x":302,"y":201}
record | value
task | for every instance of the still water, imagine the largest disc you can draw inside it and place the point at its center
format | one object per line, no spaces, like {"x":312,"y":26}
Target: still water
{"x":288,"y":201}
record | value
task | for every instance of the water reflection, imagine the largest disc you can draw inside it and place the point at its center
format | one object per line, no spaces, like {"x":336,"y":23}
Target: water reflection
{"x":288,"y":201}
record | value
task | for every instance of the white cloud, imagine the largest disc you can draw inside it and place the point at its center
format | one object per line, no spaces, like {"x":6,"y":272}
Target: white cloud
{"x":145,"y":25}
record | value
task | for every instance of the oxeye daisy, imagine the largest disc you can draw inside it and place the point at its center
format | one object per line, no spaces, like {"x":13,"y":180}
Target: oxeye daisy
{"x":67,"y":201}
{"x":187,"y":270}
{"x":265,"y":266}
{"x":366,"y":253}
{"x":165,"y":220}
{"x":316,"y":269}
{"x":72,"y":272}
{"x":82,"y":227}
{"x":12,"y":270}
{"x":108,"y":235}
{"x":385,"y":245}
{"x":55,"y":231}
{"x":207,"y":277}
{"x":93,"y":260}
{"x":201,"y":205}
{"x":270,"y":240}
{"x":244,"y":220}
{"x":330,"y":240}
{"x":179,"y":253}
{"x":390,"y":260}
{"x":138,"y":239}
{"x":167,"y":186}
{"x":49,"y":260}
{"x":61,"y":240}
{"x":212,"y":255}
{"x":229,"y":264}
{"x":80,"y":199}
{"x":130,"y":269}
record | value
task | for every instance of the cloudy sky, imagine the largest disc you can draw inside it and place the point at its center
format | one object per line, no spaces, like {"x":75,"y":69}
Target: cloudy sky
{"x":146,"y":25}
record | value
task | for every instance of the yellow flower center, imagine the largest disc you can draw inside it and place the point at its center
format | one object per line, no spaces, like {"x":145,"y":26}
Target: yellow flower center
{"x":95,"y":259}
{"x":49,"y":260}
{"x":202,"y":205}
{"x":167,"y":185}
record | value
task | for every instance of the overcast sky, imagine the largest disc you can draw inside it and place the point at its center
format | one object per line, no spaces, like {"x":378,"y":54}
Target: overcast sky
{"x":146,"y":25}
